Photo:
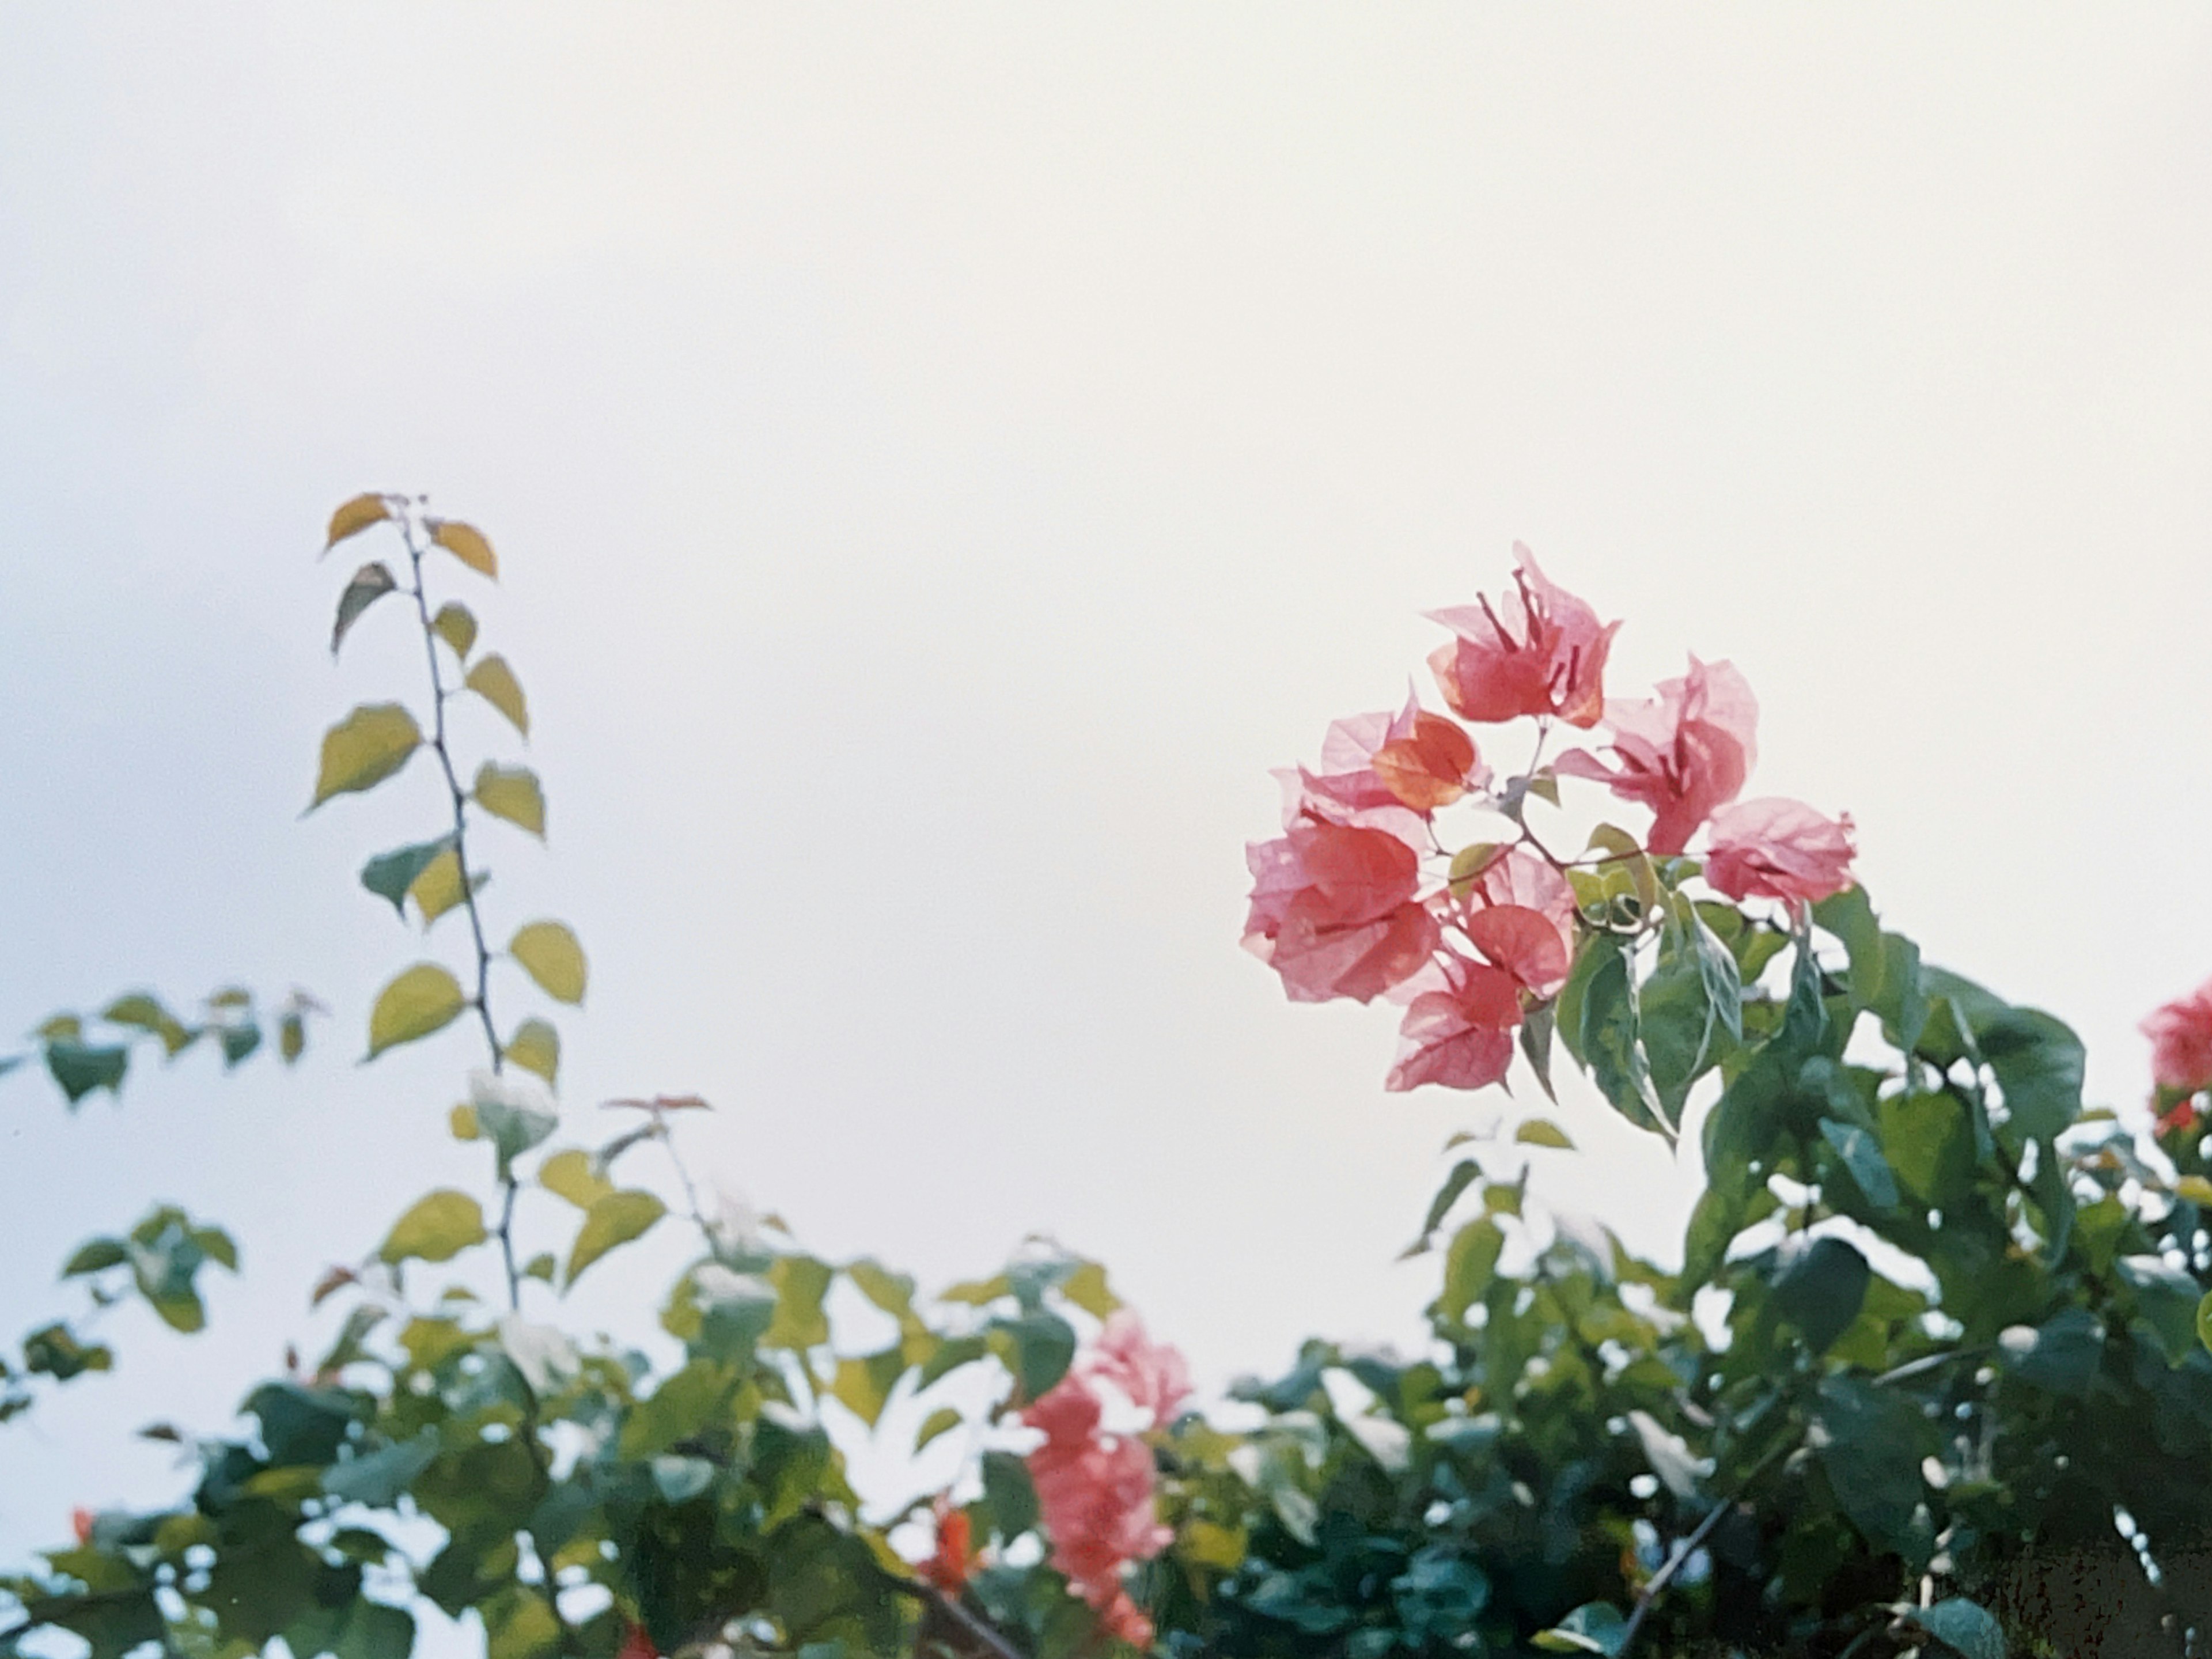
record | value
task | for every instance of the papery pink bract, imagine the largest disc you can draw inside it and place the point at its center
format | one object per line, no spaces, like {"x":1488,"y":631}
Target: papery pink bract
{"x":1333,"y":912}
{"x":1778,"y":848}
{"x":1429,"y":767}
{"x":1150,"y":1375}
{"x":1462,"y":1036}
{"x":2180,"y":1035}
{"x":1522,"y":941}
{"x":1540,"y":651}
{"x":1519,"y":877}
{"x":1683,"y":754}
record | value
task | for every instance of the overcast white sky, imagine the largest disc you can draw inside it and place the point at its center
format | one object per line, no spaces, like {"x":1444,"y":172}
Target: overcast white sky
{"x":942,"y":459}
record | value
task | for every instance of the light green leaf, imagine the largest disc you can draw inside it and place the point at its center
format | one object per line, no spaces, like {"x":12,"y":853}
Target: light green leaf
{"x":436,"y":888}
{"x":423,"y":999}
{"x":1468,"y":1264}
{"x":389,"y":875}
{"x":550,"y":954}
{"x":440,"y":1226}
{"x":512,"y":793}
{"x":456,"y":624}
{"x":942,"y":1420}
{"x":1594,"y":1627}
{"x":495,"y":682}
{"x":535,"y":1047}
{"x":612,"y":1220}
{"x":569,"y":1175}
{"x":863,"y":1385}
{"x":370,"y":583}
{"x":145,"y":1013}
{"x":365,"y":748}
{"x":355,"y":516}
{"x":1542,"y":1132}
{"x":465,"y":543}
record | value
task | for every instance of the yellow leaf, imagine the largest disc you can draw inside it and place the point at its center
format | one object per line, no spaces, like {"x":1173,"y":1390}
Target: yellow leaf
{"x":465,"y":543}
{"x":1542,"y":1132}
{"x":940,"y":1421}
{"x":535,"y":1047}
{"x":615,"y":1218}
{"x":365,"y":748}
{"x":1086,"y":1288}
{"x":439,"y":1228}
{"x":2195,"y":1188}
{"x":438,"y":888}
{"x":512,"y":793}
{"x":550,"y":953}
{"x":423,"y":1000}
{"x":495,"y":682}
{"x":569,"y":1175}
{"x":462,"y":1119}
{"x":456,"y":624}
{"x":355,"y":516}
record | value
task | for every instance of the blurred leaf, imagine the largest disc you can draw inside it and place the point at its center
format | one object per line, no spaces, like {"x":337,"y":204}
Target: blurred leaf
{"x":145,"y":1013}
{"x":550,"y":955}
{"x":377,"y":1478}
{"x":54,"y":1350}
{"x":535,"y":1047}
{"x":1594,"y":1627}
{"x":291,"y":1035}
{"x":512,"y":793}
{"x":436,"y":888}
{"x":2061,"y":1356}
{"x":389,"y":875}
{"x":1818,"y":1285}
{"x":864,"y":1385}
{"x":1009,"y":1494}
{"x":456,"y":624}
{"x":942,"y":1420}
{"x":614,"y":1219}
{"x":370,"y":583}
{"x":440,"y":1226}
{"x":424,"y":999}
{"x":96,"y":1255}
{"x":238,"y":1042}
{"x":1961,"y":1625}
{"x":355,"y":516}
{"x":365,"y":748}
{"x":1862,"y":1158}
{"x":1463,"y":1175}
{"x":513,"y":1130}
{"x":800,"y":1283}
{"x":1468,"y":1265}
{"x":1542,"y":1132}
{"x":465,"y":543}
{"x":495,"y":682}
{"x":80,"y":1068}
{"x":1086,"y":1288}
{"x":1036,"y":1347}
{"x":570,"y":1174}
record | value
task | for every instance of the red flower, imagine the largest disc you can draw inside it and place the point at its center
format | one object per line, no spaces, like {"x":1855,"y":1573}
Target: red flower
{"x":636,"y":1645}
{"x":1334,"y":912}
{"x":1779,"y":849}
{"x":1683,"y":754}
{"x":1383,"y":771}
{"x":1546,"y":655}
{"x":1095,"y":1498}
{"x":1430,"y":766}
{"x":952,"y":1562}
{"x":2180,"y":1037}
{"x":80,"y":1524}
{"x":1461,"y":1037}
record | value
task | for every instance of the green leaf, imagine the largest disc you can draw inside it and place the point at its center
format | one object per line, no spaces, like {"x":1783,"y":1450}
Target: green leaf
{"x":1086,"y":1288}
{"x":801,"y":1284}
{"x":1818,"y":1286}
{"x":54,"y":1350}
{"x":863,"y":1385}
{"x":456,"y":624}
{"x":1464,"y":1174}
{"x":550,"y":954}
{"x":1592,"y":1627}
{"x":145,"y":1013}
{"x":1927,"y":1143}
{"x":437,"y":888}
{"x":495,"y":682}
{"x":613,"y":1220}
{"x":1468,"y":1265}
{"x":2167,"y":1299}
{"x":465,"y":543}
{"x":942,"y":1420}
{"x":1036,"y":1347}
{"x":1863,"y":1158}
{"x":96,"y":1256}
{"x":570,"y":1174}
{"x":512,"y":793}
{"x":370,"y":583}
{"x":513,"y":1130}
{"x":355,"y":516}
{"x":424,"y":999}
{"x":1009,"y":1494}
{"x":1963,"y":1626}
{"x":1536,"y":1030}
{"x":679,"y":1479}
{"x":2204,"y":1321}
{"x":1468,"y":864}
{"x":291,"y":1034}
{"x":80,"y":1068}
{"x":377,"y":1478}
{"x":535,"y":1047}
{"x":1612,"y":1042}
{"x":389,"y":875}
{"x":1542,"y":1132}
{"x":440,"y":1226}
{"x":1871,"y":1445}
{"x":238,"y":1042}
{"x":365,"y":748}
{"x":2061,"y":1356}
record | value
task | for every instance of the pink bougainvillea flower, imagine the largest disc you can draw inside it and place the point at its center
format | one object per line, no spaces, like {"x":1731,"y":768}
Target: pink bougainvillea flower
{"x":1430,"y":766}
{"x":1333,"y":911}
{"x":1352,"y":787}
{"x":1683,"y":754}
{"x":1540,"y":651}
{"x":1149,"y":1375}
{"x":2180,"y":1037}
{"x":1519,"y":877}
{"x":1461,"y":1037}
{"x":1524,"y":942}
{"x":1779,"y":849}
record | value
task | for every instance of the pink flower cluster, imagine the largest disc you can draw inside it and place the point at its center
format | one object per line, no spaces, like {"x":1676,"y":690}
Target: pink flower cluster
{"x":2180,"y":1035}
{"x":1095,"y":1489}
{"x":1341,"y":906}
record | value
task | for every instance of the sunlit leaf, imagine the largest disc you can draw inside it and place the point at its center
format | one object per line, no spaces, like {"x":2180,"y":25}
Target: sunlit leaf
{"x":436,"y":888}
{"x":569,"y":1175}
{"x":535,"y":1047}
{"x":942,"y":1420}
{"x":440,"y":1226}
{"x":1542,"y":1132}
{"x":370,"y":583}
{"x":424,"y":999}
{"x":495,"y":682}
{"x":456,"y":624}
{"x":512,"y":793}
{"x":465,"y":543}
{"x":146,"y":1013}
{"x":389,"y":875}
{"x":365,"y":748}
{"x":613,"y":1219}
{"x":355,"y":516}
{"x":550,"y":954}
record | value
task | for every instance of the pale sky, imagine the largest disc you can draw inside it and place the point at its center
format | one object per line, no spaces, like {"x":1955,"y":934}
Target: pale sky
{"x":942,"y":459}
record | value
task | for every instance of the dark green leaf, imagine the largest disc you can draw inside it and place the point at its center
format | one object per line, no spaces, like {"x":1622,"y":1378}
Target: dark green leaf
{"x":1963,"y":1626}
{"x":80,"y":1067}
{"x":370,"y":583}
{"x":1818,"y":1285}
{"x":389,"y":875}
{"x":1042,"y":1345}
{"x":1008,"y":1494}
{"x":1862,"y":1158}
